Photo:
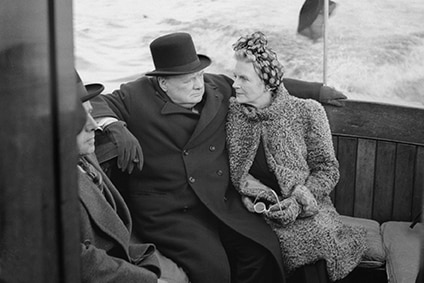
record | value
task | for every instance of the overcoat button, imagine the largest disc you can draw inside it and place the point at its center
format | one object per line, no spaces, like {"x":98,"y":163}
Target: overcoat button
{"x":185,"y":152}
{"x":219,"y":172}
{"x":185,"y":208}
{"x":191,"y":180}
{"x":212,"y":148}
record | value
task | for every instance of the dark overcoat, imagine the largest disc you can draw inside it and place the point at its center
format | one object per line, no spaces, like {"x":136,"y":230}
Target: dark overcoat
{"x":106,"y":252}
{"x":185,"y":183}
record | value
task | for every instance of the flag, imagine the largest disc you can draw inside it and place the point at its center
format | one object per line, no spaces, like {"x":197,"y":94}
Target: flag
{"x":311,"y":18}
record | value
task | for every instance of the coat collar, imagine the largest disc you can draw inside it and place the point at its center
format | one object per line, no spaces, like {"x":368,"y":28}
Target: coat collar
{"x":210,"y":109}
{"x":271,"y":112}
{"x":213,"y":99}
{"x":100,"y":211}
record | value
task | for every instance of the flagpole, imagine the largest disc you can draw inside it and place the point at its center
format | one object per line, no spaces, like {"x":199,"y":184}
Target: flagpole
{"x":325,"y":27}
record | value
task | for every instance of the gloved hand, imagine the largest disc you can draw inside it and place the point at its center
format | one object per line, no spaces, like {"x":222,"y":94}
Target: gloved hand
{"x":129,"y":149}
{"x":306,"y":199}
{"x":285,"y":212}
{"x":248,"y":203}
{"x":251,"y":183}
{"x":329,"y":95}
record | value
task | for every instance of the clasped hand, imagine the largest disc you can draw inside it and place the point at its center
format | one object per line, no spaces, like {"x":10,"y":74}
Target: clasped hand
{"x":306,"y":199}
{"x":283,"y":212}
{"x":301,"y":203}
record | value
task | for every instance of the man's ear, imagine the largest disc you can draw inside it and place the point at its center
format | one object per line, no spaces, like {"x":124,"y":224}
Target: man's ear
{"x":162,"y":83}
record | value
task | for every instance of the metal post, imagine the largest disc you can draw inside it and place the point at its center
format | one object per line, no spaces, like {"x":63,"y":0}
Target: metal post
{"x":325,"y":27}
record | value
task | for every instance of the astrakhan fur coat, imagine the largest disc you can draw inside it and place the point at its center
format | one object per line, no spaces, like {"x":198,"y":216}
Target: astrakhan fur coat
{"x":298,"y":147}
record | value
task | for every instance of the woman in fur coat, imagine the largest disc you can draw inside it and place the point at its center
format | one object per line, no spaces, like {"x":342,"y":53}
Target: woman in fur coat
{"x":283,"y":164}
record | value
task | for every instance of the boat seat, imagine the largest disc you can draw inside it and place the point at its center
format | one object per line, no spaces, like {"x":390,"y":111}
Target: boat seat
{"x":402,"y":246}
{"x":393,"y":245}
{"x":375,"y":256}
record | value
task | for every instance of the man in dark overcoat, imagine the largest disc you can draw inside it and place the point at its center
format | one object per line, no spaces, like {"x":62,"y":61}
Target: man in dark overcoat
{"x":107,"y":252}
{"x":182,"y":199}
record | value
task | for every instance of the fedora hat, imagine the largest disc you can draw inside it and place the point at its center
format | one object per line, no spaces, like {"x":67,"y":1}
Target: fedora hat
{"x":92,"y":91}
{"x":87,"y":92}
{"x":175,"y":54}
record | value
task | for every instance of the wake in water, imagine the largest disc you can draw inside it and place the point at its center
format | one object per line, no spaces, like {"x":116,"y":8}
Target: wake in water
{"x":375,"y":48}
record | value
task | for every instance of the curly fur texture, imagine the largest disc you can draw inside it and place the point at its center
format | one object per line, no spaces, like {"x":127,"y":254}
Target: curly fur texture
{"x":299,"y":151}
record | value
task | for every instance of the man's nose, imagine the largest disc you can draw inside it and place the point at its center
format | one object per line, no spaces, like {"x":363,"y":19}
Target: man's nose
{"x":91,"y":123}
{"x":198,"y":82}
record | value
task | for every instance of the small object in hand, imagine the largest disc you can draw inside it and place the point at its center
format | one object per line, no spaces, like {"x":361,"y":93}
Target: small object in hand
{"x":260,"y":207}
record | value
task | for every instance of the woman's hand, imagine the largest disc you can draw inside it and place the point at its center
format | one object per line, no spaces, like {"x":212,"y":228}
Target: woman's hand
{"x":306,"y":199}
{"x":248,"y":203}
{"x":285,"y":212}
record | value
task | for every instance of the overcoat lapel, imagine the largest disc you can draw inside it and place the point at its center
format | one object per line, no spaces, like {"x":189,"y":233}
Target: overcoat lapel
{"x":171,"y":108}
{"x":210,"y":109}
{"x":100,"y":211}
{"x":212,"y":106}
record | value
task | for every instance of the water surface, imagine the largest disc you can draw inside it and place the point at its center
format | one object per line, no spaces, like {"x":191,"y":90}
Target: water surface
{"x":375,"y":48}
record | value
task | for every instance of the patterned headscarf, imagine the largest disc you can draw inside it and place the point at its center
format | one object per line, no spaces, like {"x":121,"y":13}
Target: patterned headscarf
{"x":264,"y":59}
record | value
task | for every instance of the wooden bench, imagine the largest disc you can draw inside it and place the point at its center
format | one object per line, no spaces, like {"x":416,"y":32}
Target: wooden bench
{"x":380,"y":148}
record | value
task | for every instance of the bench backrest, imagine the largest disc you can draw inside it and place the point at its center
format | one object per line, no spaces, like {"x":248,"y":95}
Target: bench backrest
{"x":380,"y":148}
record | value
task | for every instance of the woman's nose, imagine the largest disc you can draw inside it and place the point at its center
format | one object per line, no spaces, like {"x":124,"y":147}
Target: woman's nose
{"x":235,"y":84}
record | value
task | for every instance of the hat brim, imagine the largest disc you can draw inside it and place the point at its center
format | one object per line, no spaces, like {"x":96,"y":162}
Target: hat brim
{"x":205,"y":61}
{"x":92,"y":91}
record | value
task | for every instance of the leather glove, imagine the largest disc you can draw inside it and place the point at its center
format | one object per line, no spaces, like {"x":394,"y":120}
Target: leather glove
{"x":306,"y":199}
{"x":251,"y":183}
{"x":248,"y":203}
{"x":285,"y":212}
{"x":129,"y":149}
{"x":329,"y":95}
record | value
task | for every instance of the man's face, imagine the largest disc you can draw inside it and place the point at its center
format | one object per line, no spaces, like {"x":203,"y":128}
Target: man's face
{"x":184,"y":90}
{"x":85,"y":139}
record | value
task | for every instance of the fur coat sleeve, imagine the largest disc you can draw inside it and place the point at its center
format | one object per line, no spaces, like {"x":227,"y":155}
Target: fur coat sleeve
{"x":321,"y":160}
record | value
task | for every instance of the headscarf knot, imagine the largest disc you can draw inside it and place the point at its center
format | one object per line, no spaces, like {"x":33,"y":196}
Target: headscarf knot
{"x":264,"y":59}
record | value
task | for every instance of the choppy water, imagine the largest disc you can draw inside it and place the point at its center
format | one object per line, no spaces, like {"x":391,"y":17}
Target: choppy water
{"x":375,"y":48}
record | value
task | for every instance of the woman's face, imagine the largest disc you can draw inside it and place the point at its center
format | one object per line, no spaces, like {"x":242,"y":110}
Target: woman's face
{"x":85,"y":139}
{"x":249,"y":87}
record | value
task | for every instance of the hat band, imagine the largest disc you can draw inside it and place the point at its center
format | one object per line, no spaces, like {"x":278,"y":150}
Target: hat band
{"x":185,"y":67}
